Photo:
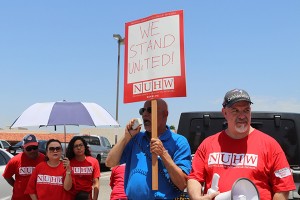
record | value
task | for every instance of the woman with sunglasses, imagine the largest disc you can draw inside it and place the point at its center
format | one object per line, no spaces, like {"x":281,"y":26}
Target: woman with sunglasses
{"x":85,"y":168}
{"x":51,"y":179}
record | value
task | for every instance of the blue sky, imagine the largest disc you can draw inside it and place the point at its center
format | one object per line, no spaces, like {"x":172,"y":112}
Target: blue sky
{"x":64,"y":50}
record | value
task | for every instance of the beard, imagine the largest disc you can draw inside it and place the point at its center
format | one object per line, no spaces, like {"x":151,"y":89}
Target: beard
{"x":241,"y":128}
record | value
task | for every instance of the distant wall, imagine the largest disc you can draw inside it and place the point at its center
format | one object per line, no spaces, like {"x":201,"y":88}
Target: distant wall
{"x":15,"y":135}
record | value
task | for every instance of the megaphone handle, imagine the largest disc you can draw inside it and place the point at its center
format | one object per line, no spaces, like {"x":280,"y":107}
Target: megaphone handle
{"x":215,"y":182}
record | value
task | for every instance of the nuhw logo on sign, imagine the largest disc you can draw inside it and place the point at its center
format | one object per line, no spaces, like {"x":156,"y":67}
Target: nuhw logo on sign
{"x":154,"y":58}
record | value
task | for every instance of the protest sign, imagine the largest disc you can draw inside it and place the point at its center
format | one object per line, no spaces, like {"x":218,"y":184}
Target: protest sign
{"x":154,"y":58}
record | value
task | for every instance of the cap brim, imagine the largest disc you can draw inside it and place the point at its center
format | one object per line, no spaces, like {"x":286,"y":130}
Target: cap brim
{"x":31,"y":144}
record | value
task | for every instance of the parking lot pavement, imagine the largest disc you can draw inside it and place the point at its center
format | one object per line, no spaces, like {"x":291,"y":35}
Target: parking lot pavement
{"x":105,"y":190}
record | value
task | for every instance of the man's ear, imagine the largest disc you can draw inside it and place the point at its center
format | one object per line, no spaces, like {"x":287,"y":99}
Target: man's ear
{"x":224,"y":112}
{"x":167,"y":113}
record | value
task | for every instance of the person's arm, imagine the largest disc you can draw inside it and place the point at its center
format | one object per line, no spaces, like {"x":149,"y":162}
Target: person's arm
{"x":114,"y":155}
{"x":177,"y":176}
{"x":33,"y":196}
{"x":95,"y":188}
{"x":68,"y":178}
{"x":10,"y":171}
{"x":11,"y":181}
{"x":194,"y":189}
{"x":281,"y":195}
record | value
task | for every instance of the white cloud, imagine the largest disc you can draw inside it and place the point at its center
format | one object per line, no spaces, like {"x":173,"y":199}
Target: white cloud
{"x":276,"y":104}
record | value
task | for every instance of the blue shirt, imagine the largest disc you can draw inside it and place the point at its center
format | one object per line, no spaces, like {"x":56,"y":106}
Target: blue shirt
{"x":138,"y":172}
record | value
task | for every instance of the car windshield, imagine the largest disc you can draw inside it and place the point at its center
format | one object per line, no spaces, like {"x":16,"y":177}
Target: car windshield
{"x":19,"y":144}
{"x":106,"y":142}
{"x":42,"y":144}
{"x":5,"y":144}
{"x":4,"y":158}
{"x":92,"y":140}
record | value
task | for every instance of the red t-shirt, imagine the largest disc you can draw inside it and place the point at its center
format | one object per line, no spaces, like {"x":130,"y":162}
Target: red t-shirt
{"x":117,"y":183}
{"x":47,"y":183}
{"x":257,"y":157}
{"x":84,"y":173}
{"x":21,"y":166}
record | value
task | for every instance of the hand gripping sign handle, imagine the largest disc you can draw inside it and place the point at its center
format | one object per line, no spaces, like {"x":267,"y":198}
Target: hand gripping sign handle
{"x":214,"y":185}
{"x":154,"y":135}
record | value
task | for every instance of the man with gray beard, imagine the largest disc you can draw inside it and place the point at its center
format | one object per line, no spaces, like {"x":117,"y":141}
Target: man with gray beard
{"x":240,"y":151}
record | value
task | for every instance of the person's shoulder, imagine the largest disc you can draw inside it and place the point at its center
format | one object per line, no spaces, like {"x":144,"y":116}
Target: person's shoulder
{"x":91,"y":159}
{"x":14,"y":161}
{"x":42,"y":164}
{"x":263,"y":135}
{"x":119,"y":168}
{"x":212,"y":138}
{"x":41,"y":156}
{"x":178,"y":136}
{"x":17,"y":158}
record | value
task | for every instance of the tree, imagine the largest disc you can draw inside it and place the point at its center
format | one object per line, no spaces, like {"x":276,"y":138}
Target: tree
{"x":172,"y":127}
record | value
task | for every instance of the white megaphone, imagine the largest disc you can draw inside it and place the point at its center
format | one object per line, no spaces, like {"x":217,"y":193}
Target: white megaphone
{"x":242,"y":189}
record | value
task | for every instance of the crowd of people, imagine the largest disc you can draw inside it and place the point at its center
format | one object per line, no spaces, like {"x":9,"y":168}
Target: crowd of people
{"x":76,"y":176}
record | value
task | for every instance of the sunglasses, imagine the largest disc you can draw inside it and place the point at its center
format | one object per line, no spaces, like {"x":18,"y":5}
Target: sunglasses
{"x":52,"y":149}
{"x":30,"y":148}
{"x":142,"y":110}
{"x":78,"y":146}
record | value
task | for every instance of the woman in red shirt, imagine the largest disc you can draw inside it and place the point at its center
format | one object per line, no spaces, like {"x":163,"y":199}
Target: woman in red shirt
{"x":117,"y":183}
{"x":85,"y":168}
{"x":51,"y":179}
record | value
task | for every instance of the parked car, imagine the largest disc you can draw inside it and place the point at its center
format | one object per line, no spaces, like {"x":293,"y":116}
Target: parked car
{"x":5,"y":189}
{"x":4,"y":144}
{"x":99,"y":147}
{"x":42,"y":146}
{"x":16,"y":149}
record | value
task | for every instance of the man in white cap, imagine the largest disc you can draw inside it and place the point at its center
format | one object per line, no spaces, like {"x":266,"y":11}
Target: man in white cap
{"x":21,"y":166}
{"x":240,"y":151}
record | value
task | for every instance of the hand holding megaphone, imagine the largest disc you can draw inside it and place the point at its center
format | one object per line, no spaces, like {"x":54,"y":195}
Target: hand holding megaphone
{"x":242,"y":189}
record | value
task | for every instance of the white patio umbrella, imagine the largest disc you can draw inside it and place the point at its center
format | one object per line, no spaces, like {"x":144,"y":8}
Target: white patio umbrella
{"x":64,"y":113}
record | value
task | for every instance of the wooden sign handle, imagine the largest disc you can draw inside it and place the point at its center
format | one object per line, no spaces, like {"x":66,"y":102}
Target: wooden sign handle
{"x":154,"y":135}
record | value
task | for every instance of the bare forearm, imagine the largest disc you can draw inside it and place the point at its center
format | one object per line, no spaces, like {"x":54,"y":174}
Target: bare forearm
{"x":178,"y":177}
{"x":115,"y":153}
{"x":68,"y":182}
{"x":194,"y":189}
{"x":95,"y":188}
{"x":33,"y":196}
{"x":114,"y":156}
{"x":281,"y":196}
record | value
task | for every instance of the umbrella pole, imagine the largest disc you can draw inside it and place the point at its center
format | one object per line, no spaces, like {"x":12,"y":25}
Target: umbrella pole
{"x":65,"y":133}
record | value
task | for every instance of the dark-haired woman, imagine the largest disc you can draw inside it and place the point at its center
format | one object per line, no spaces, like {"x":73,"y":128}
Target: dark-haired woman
{"x":51,"y":179}
{"x":85,"y":168}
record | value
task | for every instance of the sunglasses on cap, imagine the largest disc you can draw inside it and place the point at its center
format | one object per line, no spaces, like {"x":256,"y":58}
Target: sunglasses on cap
{"x":142,"y":110}
{"x":30,"y":148}
{"x":52,"y":149}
